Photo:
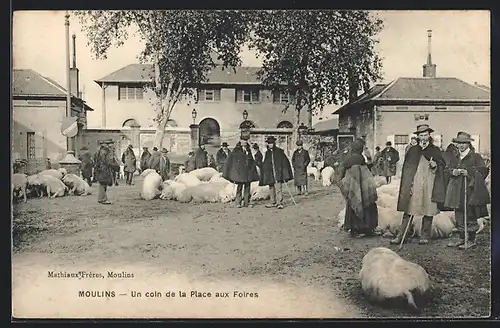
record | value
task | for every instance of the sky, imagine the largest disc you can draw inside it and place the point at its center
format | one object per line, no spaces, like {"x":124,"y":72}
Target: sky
{"x":460,"y":48}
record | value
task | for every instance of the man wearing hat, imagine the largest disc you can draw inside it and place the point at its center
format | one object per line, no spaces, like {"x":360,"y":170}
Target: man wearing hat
{"x":145,"y":157}
{"x":468,"y":166}
{"x":105,"y":167}
{"x":160,"y":163}
{"x":130,"y":162}
{"x":221,"y":156}
{"x":422,"y":187}
{"x":257,"y":155}
{"x":201,"y":156}
{"x":413,"y":142}
{"x":86,"y":164}
{"x":300,"y":160}
{"x":276,"y":170}
{"x":389,"y":157}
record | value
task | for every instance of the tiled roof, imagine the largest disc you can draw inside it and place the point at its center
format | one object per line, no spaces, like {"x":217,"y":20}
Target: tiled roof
{"x":28,"y":82}
{"x":218,"y":75}
{"x":422,"y":89}
{"x":326,"y":125}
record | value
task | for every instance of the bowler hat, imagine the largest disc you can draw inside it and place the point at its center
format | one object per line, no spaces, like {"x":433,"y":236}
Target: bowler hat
{"x":270,"y":140}
{"x":224,"y":144}
{"x":423,"y":128}
{"x":299,"y":143}
{"x":388,"y":143}
{"x":255,"y":146}
{"x":144,"y":147}
{"x":155,"y":148}
{"x":164,"y":150}
{"x":462,"y":137}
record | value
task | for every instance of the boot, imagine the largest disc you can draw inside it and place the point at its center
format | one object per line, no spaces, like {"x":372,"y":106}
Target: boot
{"x":458,"y":243}
{"x":402,"y":228}
{"x":471,"y":242}
{"x":426,"y":230}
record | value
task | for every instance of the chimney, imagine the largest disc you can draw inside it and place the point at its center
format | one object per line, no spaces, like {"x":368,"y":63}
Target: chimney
{"x":429,"y":69}
{"x":74,"y":74}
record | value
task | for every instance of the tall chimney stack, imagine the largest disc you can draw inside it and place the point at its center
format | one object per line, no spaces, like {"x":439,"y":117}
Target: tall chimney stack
{"x":75,"y":83}
{"x":429,"y":69}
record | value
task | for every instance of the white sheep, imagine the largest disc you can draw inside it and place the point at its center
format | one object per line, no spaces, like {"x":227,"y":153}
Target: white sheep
{"x":76,"y":185}
{"x":187,"y":179}
{"x":171,"y":190}
{"x":218,"y":179}
{"x":341,"y":218}
{"x":206,"y":192}
{"x":182,"y":169}
{"x":314,"y":172}
{"x":385,"y":275}
{"x":379,"y":181}
{"x":386,"y":200}
{"x":35,"y":185}
{"x":327,"y":175}
{"x":228,"y":194}
{"x":55,"y":173}
{"x":54,"y":186}
{"x":389,"y":189}
{"x":319,"y":165}
{"x":19,"y":185}
{"x":442,"y":225}
{"x":63,"y":171}
{"x":389,"y":220}
{"x":151,"y":186}
{"x":261,"y":193}
{"x":146,"y":172}
{"x":204,"y":174}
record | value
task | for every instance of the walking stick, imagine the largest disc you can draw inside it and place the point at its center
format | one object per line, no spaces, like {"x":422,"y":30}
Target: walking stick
{"x":465,"y":214}
{"x":290,"y":193}
{"x":406,"y":231}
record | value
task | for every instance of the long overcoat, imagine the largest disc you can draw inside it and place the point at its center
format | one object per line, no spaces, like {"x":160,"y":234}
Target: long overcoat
{"x":275,"y":167}
{"x":155,"y":161}
{"x":130,"y":161}
{"x":145,"y":157}
{"x":200,"y":158}
{"x":389,"y":158}
{"x":300,"y":160}
{"x":477,"y":192}
{"x":105,"y":165}
{"x":221,"y":159}
{"x":410,"y":165}
{"x":240,"y":166}
{"x":87,"y":164}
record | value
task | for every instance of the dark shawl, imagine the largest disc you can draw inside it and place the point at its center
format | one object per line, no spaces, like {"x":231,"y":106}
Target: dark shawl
{"x":200,"y":158}
{"x":221,"y":159}
{"x":281,"y":166}
{"x":87,"y":164}
{"x":410,"y":164}
{"x":146,"y":155}
{"x":240,"y":167}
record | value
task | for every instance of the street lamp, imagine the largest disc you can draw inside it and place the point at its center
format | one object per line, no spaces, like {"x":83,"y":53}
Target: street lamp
{"x":245,"y":115}
{"x":193,"y":115}
{"x":245,"y":130}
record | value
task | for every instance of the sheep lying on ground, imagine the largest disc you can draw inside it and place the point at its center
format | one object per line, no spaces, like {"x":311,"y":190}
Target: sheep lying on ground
{"x":76,"y":185}
{"x":54,"y":186}
{"x":151,"y":186}
{"x":55,"y":173}
{"x":217,"y":178}
{"x":34,"y":186}
{"x":63,"y":171}
{"x":19,"y":186}
{"x":385,"y":275}
{"x":442,"y":225}
{"x":228,"y":194}
{"x":389,"y":220}
{"x":146,"y":172}
{"x":172,"y":190}
{"x":260,"y":193}
{"x":202,"y":193}
{"x":188,"y":179}
{"x":204,"y":174}
{"x":327,"y":175}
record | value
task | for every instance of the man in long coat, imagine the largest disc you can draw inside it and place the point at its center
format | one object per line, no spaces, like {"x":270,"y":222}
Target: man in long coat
{"x":258,"y":157}
{"x":190,"y":162}
{"x":157,"y":161}
{"x":240,"y":169}
{"x":300,"y":160}
{"x":376,"y":162}
{"x":468,"y":166}
{"x":145,"y":157}
{"x":276,"y":170}
{"x":105,"y":167}
{"x":164,"y":167}
{"x":201,"y":156}
{"x":422,"y":188}
{"x":221,"y":156}
{"x":389,"y":158}
{"x":86,"y":165}
{"x":130,"y":162}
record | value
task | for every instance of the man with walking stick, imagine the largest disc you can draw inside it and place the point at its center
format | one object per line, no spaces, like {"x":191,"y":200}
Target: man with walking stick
{"x":276,"y":171}
{"x":422,"y":187}
{"x":467,"y":193}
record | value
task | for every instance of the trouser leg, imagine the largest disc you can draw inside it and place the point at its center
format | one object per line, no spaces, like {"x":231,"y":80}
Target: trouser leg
{"x":239,"y":189}
{"x":426,"y":229}
{"x":279,"y":193}
{"x":101,"y":194}
{"x":272,"y":191}
{"x":402,"y":229}
{"x":246,"y":194}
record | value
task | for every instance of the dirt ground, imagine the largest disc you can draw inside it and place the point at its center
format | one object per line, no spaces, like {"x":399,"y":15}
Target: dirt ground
{"x":297,"y":257}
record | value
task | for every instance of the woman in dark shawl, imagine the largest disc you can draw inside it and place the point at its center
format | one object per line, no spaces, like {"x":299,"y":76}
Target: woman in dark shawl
{"x":358,"y":187}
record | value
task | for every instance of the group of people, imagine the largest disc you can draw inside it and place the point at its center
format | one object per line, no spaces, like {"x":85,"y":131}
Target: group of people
{"x":432,"y":180}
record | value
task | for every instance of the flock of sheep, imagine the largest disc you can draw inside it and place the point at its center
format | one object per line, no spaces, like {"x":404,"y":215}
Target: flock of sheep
{"x":51,"y":183}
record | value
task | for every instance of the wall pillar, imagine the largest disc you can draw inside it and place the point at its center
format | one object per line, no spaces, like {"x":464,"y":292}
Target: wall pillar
{"x":195,"y":135}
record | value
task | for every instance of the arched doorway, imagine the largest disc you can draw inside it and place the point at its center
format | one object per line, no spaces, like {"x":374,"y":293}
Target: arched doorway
{"x":284,"y":125}
{"x":130,"y":123}
{"x":210,"y":131}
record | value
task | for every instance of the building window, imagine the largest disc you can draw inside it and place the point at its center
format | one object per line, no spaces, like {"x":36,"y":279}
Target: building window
{"x":421,"y":117}
{"x":209,"y":95}
{"x":247,"y":95}
{"x":31,"y":145}
{"x":280,"y":97}
{"x":130,"y":92}
{"x":401,"y":139}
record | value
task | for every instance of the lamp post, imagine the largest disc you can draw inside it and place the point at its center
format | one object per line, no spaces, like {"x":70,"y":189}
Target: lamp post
{"x":302,"y":129}
{"x":195,"y":130}
{"x":245,"y":130}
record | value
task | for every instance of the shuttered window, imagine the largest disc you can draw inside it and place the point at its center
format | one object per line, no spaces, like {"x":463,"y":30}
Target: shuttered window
{"x":280,"y":97}
{"x":130,"y":92}
{"x":209,"y":95}
{"x":30,"y":145}
{"x":247,"y":95}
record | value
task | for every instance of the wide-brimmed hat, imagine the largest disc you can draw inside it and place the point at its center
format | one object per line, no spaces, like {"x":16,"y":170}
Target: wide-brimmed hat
{"x":423,"y":128}
{"x":388,"y":143}
{"x":462,"y":137}
{"x":299,"y":143}
{"x":224,"y":144}
{"x":164,"y":150}
{"x":270,"y":140}
{"x":155,"y":148}
{"x":255,"y":146}
{"x":144,"y":147}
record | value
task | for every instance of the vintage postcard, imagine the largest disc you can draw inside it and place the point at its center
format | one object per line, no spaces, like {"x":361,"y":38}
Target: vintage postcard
{"x":251,"y":164}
